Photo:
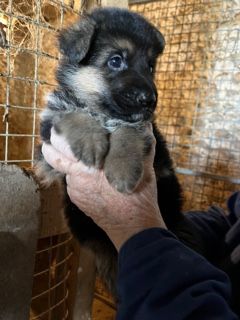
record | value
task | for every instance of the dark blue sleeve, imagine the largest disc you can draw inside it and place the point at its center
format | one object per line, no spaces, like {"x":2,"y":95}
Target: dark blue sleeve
{"x":160,"y":278}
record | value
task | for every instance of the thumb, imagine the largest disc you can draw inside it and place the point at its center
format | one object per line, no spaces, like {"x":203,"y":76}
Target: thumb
{"x":56,"y":159}
{"x":63,"y":163}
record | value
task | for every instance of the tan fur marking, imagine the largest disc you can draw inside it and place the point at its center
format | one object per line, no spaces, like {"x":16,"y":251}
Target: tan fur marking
{"x":124,"y":44}
{"x":87,"y":80}
{"x":104,"y":55}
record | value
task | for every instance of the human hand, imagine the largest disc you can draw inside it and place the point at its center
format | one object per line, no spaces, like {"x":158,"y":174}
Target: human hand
{"x":119,"y":215}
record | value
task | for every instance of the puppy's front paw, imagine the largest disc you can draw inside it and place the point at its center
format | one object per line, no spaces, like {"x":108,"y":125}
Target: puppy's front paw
{"x":123,"y":176}
{"x":91,"y":149}
{"x":89,"y":142}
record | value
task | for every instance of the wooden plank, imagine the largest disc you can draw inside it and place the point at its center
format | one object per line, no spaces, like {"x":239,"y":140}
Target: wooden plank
{"x":77,"y":5}
{"x":141,"y":1}
{"x":19,"y":227}
{"x":115,"y":3}
{"x":85,"y":285}
{"x":73,"y":278}
{"x":52,"y":211}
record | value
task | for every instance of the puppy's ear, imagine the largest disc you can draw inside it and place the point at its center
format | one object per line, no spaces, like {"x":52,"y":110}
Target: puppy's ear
{"x":160,"y":41}
{"x":75,"y":41}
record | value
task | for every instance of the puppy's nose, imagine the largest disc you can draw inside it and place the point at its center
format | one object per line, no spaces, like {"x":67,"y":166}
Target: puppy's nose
{"x":146,"y":99}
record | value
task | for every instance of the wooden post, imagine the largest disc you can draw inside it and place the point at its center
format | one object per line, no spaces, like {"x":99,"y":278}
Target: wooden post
{"x":19,"y":227}
{"x":85,"y":285}
{"x":52,"y":211}
{"x":90,"y":4}
{"x":115,"y":3}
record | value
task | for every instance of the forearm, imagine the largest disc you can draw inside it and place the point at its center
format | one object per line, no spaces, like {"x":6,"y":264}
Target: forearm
{"x":160,"y":278}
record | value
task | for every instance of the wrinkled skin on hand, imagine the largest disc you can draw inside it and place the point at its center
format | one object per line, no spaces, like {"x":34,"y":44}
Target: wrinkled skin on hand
{"x":120,"y":215}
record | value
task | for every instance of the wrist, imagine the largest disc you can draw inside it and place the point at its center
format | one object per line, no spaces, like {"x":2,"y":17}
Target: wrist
{"x":120,"y":234}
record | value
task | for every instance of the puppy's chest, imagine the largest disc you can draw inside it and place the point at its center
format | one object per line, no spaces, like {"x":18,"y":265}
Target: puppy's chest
{"x":59,"y":107}
{"x":112,"y":124}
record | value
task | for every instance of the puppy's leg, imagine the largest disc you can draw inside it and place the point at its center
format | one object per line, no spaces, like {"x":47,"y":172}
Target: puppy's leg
{"x":44,"y":172}
{"x":124,"y":163}
{"x":87,"y":139}
{"x":85,"y":285}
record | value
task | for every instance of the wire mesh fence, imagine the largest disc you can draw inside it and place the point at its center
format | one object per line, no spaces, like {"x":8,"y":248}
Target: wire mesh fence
{"x":28,"y":58}
{"x":51,"y":283}
{"x":198,"y":80}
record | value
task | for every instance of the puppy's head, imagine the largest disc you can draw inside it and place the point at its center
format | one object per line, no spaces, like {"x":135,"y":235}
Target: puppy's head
{"x":108,"y":63}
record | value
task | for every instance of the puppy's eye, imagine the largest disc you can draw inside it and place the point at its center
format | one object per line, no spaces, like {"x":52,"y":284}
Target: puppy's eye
{"x":151,"y":68}
{"x":116,"y":63}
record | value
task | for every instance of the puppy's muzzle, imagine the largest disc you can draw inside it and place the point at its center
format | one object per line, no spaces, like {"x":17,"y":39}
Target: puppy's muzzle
{"x":135,"y":96}
{"x":145,"y":99}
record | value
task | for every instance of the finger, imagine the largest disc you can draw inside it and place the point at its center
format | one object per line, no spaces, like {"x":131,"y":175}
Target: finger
{"x":153,"y":147}
{"x":56,"y":159}
{"x":149,"y":128}
{"x":60,"y":143}
{"x":151,"y":155}
{"x":68,"y":179}
{"x":151,"y":138}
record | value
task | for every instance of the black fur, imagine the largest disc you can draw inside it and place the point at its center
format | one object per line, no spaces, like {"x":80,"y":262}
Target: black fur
{"x":75,"y":41}
{"x":45,"y":130}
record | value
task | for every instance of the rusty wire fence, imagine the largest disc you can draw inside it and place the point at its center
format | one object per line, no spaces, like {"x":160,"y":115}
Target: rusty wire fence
{"x":28,"y":58}
{"x":198,"y":80}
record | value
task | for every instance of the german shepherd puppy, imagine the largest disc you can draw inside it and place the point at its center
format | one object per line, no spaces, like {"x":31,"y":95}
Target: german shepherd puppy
{"x":104,"y":102}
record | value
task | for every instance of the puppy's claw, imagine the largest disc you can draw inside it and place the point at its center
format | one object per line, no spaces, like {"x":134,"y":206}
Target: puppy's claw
{"x":125,"y":181}
{"x":89,"y":142}
{"x":91,"y":151}
{"x":124,"y":187}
